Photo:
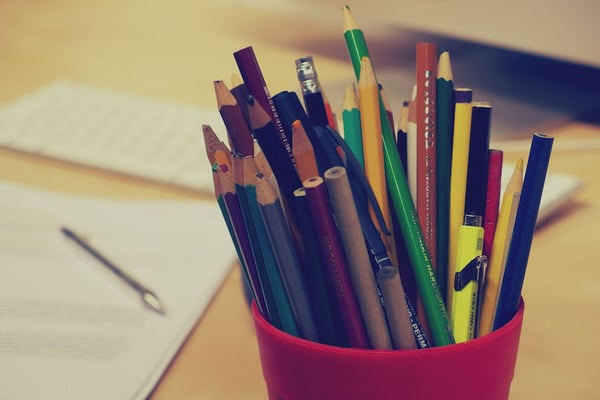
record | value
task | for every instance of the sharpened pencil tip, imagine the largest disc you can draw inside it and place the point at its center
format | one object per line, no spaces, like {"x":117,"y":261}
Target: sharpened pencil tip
{"x":153,"y":302}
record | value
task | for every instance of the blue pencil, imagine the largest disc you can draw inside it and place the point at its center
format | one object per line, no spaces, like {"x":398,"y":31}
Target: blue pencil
{"x":520,"y":244}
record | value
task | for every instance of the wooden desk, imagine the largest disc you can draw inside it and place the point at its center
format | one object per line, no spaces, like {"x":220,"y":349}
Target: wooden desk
{"x":168,"y":51}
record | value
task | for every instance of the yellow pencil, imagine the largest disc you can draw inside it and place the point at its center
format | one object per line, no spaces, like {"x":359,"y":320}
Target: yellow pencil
{"x":368,"y":96}
{"x":458,"y":179}
{"x":504,"y":227}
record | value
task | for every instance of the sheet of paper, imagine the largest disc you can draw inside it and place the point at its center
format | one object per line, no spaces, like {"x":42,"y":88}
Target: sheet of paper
{"x":69,"y":328}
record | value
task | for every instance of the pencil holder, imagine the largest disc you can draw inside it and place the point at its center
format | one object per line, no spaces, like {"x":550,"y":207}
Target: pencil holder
{"x":298,"y":369}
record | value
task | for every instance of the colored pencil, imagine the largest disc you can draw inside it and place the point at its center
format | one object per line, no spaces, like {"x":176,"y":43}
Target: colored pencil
{"x":240,"y":92}
{"x":255,"y":83}
{"x":444,"y":131}
{"x":396,"y":308}
{"x":351,"y":123}
{"x":388,"y":107}
{"x":477,"y":167}
{"x":368,"y":96}
{"x":212,"y":144}
{"x":497,"y":259}
{"x":280,"y":237}
{"x":302,"y":150}
{"x":458,"y":178}
{"x":426,"y":71}
{"x":401,"y":139}
{"x":403,"y":206}
{"x":263,"y":295}
{"x":331,"y":118}
{"x":411,"y":148}
{"x":404,"y":268}
{"x":290,"y":109}
{"x":336,"y":264}
{"x":359,"y":262}
{"x":265,"y":168}
{"x":266,"y":264}
{"x":520,"y":243}
{"x":329,"y":324}
{"x":238,"y":132}
{"x":266,"y":135}
{"x":465,"y":295}
{"x":492,"y":199}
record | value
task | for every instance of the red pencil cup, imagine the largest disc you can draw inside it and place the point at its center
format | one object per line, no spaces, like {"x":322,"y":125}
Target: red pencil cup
{"x":297,"y":369}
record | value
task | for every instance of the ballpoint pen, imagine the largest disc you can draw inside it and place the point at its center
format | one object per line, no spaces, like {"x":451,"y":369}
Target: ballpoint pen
{"x":149,"y":298}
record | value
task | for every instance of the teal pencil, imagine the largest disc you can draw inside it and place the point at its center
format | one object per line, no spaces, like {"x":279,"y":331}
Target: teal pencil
{"x":437,"y":316}
{"x":444,"y":135}
{"x":265,"y":260}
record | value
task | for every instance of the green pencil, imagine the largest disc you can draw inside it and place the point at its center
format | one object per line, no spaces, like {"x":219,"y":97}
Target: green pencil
{"x":444,"y":134}
{"x":402,"y":201}
{"x":351,"y":121}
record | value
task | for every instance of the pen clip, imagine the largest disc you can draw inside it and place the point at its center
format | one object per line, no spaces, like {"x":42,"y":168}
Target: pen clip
{"x":472,"y":272}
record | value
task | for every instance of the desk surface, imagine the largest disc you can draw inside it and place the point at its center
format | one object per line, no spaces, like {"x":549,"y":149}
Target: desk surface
{"x":168,"y":51}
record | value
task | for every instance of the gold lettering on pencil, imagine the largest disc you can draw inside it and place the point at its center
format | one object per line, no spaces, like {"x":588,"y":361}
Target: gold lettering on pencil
{"x":335,"y":269}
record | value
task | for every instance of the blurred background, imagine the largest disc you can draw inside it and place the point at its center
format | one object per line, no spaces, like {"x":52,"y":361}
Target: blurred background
{"x":537,"y":62}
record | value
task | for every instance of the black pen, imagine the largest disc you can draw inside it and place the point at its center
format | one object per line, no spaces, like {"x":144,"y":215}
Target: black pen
{"x":149,"y":298}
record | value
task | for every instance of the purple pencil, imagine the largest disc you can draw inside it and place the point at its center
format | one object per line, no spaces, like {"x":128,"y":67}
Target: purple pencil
{"x":257,"y":87}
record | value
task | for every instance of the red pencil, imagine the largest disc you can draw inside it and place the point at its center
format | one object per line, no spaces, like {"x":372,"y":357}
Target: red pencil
{"x":492,"y":199}
{"x":426,"y":69}
{"x":335,"y":259}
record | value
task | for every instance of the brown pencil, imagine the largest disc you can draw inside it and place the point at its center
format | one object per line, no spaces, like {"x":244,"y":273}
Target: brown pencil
{"x":238,"y":132}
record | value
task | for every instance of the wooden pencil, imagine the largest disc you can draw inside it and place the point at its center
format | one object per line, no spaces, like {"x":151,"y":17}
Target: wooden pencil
{"x":336,"y":264}
{"x":240,"y":92}
{"x":351,"y":123}
{"x":302,"y":150}
{"x":426,"y":71}
{"x":368,"y":96}
{"x":396,"y":308}
{"x":267,"y":264}
{"x":359,"y":262}
{"x":437,"y":316}
{"x":444,"y":131}
{"x":280,"y":237}
{"x":327,"y":317}
{"x":458,"y":178}
{"x":521,"y":240}
{"x":238,"y":132}
{"x":255,"y":83}
{"x":265,"y":168}
{"x":387,"y":105}
{"x":266,"y":134}
{"x":263,"y":296}
{"x":492,"y":199}
{"x":212,"y":143}
{"x":411,"y":148}
{"x":502,"y":237}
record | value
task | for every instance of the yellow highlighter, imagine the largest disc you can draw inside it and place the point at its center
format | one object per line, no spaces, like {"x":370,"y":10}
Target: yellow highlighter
{"x":470,"y":266}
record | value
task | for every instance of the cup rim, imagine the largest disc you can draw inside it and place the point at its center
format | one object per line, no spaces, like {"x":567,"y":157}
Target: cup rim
{"x":309,"y":345}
